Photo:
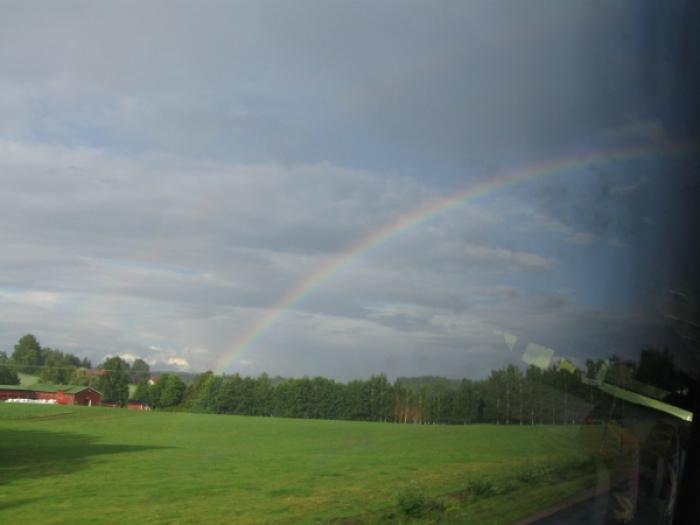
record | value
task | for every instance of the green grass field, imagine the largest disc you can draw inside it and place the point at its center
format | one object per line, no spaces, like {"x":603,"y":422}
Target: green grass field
{"x":27,"y":379}
{"x":62,"y":464}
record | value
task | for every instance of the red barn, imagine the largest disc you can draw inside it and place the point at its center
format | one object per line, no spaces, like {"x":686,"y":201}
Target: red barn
{"x":63,"y":394}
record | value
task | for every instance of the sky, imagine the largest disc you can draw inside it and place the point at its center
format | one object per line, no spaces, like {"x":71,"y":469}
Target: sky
{"x":172,"y":172}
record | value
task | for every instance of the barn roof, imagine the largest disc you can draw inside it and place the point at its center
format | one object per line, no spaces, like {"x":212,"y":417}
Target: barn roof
{"x":68,"y":389}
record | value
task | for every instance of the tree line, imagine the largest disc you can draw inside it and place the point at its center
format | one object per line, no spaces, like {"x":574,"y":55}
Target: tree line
{"x":507,"y":396}
{"x":559,"y":394}
{"x":510,"y":395}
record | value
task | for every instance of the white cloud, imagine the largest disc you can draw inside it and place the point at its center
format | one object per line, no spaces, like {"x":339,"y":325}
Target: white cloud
{"x":536,"y":220}
{"x":500,"y":255}
{"x":179,"y":362}
{"x":36,"y":298}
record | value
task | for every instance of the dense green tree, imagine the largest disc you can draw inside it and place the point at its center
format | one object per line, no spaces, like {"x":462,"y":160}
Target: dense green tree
{"x":404,"y":405}
{"x":195,"y":389}
{"x":141,"y":394}
{"x":154,"y":392}
{"x":358,"y":396}
{"x":380,"y":398}
{"x":8,"y":374}
{"x":172,"y":391}
{"x":263,"y":394}
{"x":140,"y":371}
{"x":284,"y":402}
{"x":58,"y":368}
{"x":209,"y":393}
{"x":27,"y":354}
{"x":228,"y":395}
{"x":80,"y":377}
{"x":52,"y":371}
{"x":114,"y":384}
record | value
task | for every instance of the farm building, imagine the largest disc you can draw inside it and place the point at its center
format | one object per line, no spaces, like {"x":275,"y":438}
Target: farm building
{"x":135,"y":405}
{"x":62,"y":394}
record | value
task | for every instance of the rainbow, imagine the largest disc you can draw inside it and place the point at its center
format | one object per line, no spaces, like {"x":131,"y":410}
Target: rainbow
{"x":425,"y":212}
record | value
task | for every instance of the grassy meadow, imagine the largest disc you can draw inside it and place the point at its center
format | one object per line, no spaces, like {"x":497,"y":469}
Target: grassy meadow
{"x":27,"y":379}
{"x":65,"y":464}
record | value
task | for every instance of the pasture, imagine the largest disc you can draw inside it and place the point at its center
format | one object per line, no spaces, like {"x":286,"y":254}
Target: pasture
{"x":65,"y":464}
{"x":27,"y":379}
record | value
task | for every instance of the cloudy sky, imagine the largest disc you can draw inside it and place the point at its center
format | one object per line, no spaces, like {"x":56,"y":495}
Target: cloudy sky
{"x":169,"y":172}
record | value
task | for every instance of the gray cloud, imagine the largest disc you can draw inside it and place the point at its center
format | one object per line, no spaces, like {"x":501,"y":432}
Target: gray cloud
{"x":164,"y":253}
{"x":252,"y":82}
{"x":169,"y":173}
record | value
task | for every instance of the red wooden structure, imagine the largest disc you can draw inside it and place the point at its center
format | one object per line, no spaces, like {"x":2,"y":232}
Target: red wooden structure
{"x":62,"y":394}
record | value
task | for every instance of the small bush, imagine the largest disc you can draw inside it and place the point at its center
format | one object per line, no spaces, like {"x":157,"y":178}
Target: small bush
{"x":534,"y":474}
{"x":485,"y":488}
{"x":482,"y":487}
{"x":504,"y":487}
{"x":413,"y":504}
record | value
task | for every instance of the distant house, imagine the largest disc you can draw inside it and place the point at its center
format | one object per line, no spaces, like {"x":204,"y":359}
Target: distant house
{"x":135,"y":405}
{"x":61,"y":394}
{"x":95,"y":372}
{"x":152,"y":380}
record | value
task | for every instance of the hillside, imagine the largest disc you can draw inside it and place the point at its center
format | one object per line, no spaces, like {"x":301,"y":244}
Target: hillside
{"x":27,"y":379}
